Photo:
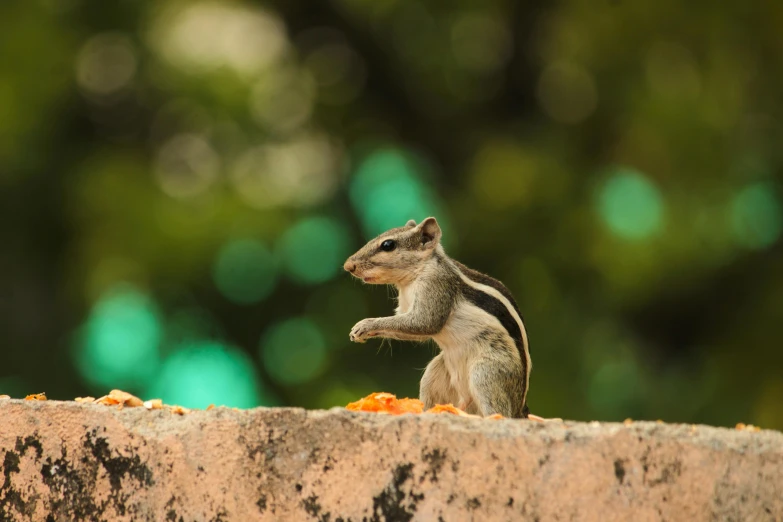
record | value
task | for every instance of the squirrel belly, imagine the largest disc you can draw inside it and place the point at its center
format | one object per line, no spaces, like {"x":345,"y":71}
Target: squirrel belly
{"x":484,"y":365}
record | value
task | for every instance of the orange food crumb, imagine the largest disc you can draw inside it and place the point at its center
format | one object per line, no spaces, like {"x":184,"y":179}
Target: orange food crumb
{"x":85,"y":399}
{"x":179,"y":410}
{"x":386,"y":403}
{"x":36,"y":397}
{"x":210,"y":407}
{"x":107,"y":401}
{"x":153,"y":404}
{"x":447,"y":408}
{"x":5,"y":397}
{"x":118,"y":398}
{"x":126,"y":398}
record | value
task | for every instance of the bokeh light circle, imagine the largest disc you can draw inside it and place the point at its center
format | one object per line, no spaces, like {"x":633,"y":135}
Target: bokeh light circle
{"x":187,"y":165}
{"x":199,"y":37}
{"x":757,"y":216}
{"x":314,"y":249}
{"x":630,"y":205}
{"x":245,"y":271}
{"x":294,"y":351}
{"x":106,"y":64}
{"x":120,"y":342}
{"x":201,"y":373}
{"x":613,"y":376}
{"x":387,"y":191}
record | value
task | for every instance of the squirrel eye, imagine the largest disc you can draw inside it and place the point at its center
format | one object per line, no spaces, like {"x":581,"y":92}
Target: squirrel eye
{"x":388,"y":245}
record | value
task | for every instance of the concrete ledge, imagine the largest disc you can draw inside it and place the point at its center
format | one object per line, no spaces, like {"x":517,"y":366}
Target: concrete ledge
{"x":69,"y":461}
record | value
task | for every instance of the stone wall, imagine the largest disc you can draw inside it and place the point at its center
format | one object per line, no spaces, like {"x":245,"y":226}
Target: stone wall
{"x":64,"y":461}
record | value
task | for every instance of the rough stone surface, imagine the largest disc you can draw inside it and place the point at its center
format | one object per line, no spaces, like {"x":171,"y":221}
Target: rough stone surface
{"x":69,"y":461}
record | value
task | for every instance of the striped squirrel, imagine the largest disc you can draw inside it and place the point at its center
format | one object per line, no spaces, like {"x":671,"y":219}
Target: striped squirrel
{"x":484,"y":364}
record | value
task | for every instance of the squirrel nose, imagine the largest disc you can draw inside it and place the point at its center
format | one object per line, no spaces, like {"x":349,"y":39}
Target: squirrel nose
{"x":349,"y":266}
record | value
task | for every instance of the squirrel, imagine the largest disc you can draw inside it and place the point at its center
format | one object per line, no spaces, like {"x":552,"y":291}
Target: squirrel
{"x":484,"y":361}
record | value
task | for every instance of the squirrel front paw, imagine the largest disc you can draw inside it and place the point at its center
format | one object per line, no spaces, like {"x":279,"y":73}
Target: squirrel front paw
{"x":363,"y":330}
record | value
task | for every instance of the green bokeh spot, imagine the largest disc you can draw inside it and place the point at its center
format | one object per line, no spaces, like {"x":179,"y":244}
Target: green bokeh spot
{"x":756,"y":216}
{"x":313,"y":250}
{"x":630,"y":205}
{"x":615,"y":388}
{"x":201,"y":373}
{"x":120,"y":342}
{"x":393,"y":203}
{"x":387,"y":191}
{"x":381,"y":166}
{"x":294,"y":351}
{"x":245,"y":271}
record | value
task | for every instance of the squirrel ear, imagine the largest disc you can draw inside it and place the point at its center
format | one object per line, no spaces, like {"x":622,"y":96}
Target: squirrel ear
{"x":430,"y":232}
{"x":411,"y":223}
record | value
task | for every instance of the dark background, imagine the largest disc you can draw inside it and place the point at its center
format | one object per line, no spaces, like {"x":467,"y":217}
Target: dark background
{"x":180,"y":183}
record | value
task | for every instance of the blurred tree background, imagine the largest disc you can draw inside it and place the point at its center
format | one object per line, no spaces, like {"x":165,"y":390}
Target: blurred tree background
{"x":180,"y":183}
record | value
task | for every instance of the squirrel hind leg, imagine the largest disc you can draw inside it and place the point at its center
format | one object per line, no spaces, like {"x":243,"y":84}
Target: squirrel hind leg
{"x":435,"y":387}
{"x":496,"y":390}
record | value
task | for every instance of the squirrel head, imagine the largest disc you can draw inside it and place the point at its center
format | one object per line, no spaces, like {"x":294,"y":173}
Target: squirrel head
{"x":397,"y":255}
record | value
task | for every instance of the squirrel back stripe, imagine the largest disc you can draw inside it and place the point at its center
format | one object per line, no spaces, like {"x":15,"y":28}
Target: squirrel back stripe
{"x":518,"y":333}
{"x":484,"y":279}
{"x":496,"y":308}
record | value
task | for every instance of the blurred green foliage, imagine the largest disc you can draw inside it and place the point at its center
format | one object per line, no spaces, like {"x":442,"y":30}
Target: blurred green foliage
{"x":180,"y":183}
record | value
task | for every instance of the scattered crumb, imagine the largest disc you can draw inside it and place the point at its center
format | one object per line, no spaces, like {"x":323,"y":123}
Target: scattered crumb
{"x":126,"y":398}
{"x":179,"y":410}
{"x":211,"y":407}
{"x":448,"y":408}
{"x":106,"y":401}
{"x":628,"y":421}
{"x":5,"y":397}
{"x":747,"y":427}
{"x":496,"y":416}
{"x":659,"y":421}
{"x":120,"y":399}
